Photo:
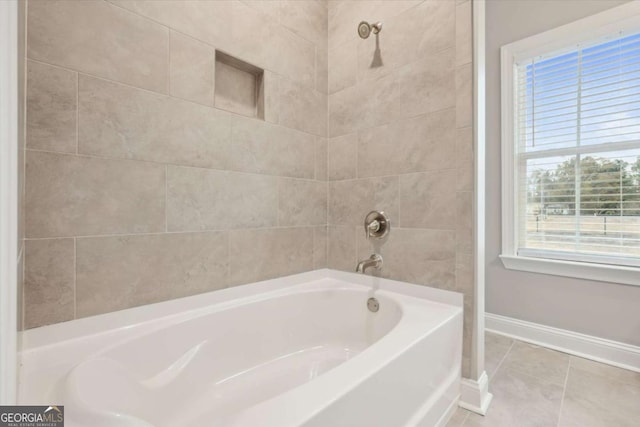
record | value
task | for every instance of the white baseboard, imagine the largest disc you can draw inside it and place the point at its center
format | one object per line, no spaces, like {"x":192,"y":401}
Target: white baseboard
{"x":474,"y":395}
{"x":601,"y":350}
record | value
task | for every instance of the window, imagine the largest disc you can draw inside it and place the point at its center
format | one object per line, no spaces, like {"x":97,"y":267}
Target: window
{"x":571,"y":144}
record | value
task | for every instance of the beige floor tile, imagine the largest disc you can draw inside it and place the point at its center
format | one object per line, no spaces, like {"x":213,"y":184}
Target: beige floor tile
{"x":538,"y":362}
{"x":529,"y":382}
{"x":495,"y":349}
{"x":458,"y":418}
{"x":612,"y":372}
{"x":596,"y":400}
{"x":520,"y":400}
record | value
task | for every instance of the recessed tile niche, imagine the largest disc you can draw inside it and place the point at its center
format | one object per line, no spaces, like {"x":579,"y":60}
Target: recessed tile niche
{"x":239,"y":86}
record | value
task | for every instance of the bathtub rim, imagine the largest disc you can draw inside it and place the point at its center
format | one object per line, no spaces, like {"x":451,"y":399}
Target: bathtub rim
{"x":171,"y":311}
{"x":105,"y":330}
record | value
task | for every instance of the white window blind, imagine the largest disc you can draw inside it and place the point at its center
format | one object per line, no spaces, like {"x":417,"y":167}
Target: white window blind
{"x":577,"y":133}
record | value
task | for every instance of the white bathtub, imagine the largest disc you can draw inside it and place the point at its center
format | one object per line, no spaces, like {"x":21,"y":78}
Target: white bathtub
{"x":297,"y":351}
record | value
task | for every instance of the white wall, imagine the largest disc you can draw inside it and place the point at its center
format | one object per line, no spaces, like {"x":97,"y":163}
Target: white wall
{"x":10,"y":147}
{"x":600,"y":309}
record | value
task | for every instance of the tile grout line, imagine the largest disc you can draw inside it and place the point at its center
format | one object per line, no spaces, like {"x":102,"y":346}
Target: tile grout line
{"x":466,"y":417}
{"x":179,"y":31}
{"x":278,"y":201}
{"x":191,"y":102}
{"x":169,"y":61}
{"x":400,"y":208}
{"x":158,"y":163}
{"x":157,"y":233}
{"x":75,"y":279}
{"x":77,"y":112}
{"x":357,"y":133}
{"x":401,"y":120}
{"x":166,"y":197}
{"x":504,"y":358}
{"x":228,"y":281}
{"x":315,"y":68}
{"x":236,"y":115}
{"x":564,"y":391}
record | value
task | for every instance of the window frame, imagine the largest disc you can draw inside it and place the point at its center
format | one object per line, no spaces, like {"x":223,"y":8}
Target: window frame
{"x":604,"y":25}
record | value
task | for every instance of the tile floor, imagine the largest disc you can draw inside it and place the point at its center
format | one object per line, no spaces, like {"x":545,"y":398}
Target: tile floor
{"x":535,"y":386}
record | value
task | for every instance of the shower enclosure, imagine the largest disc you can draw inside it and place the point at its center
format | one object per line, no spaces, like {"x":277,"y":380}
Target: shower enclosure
{"x":180,"y":147}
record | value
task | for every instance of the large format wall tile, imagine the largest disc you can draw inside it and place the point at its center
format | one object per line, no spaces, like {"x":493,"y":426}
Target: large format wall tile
{"x":321,"y":158}
{"x":342,"y":248}
{"x":234,"y":27}
{"x":99,"y":38}
{"x":419,"y":31}
{"x":405,"y":97}
{"x":49,"y":282}
{"x":114,"y":273}
{"x":466,"y":159}
{"x":464,"y":33}
{"x":302,"y":202}
{"x":464,"y":210}
{"x":427,"y":201}
{"x":389,"y":120}
{"x":119,"y":121}
{"x":303,"y":108}
{"x":420,"y":87}
{"x":279,"y":50}
{"x":350,"y":201}
{"x":191,"y":72}
{"x":344,"y":16}
{"x":322,"y":70}
{"x":129,"y":75}
{"x":423,"y":143}
{"x":207,"y":21}
{"x":267,"y":253}
{"x":421,"y":256}
{"x":343,"y":157}
{"x":320,"y":241}
{"x":202,"y":199}
{"x":261,"y":147}
{"x":51,"y":108}
{"x":464,"y":96}
{"x":269,"y":8}
{"x":343,"y":67}
{"x":78,"y":196}
{"x":307,"y":18}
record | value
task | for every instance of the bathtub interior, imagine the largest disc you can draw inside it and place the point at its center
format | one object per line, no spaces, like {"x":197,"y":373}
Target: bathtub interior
{"x":223,"y":362}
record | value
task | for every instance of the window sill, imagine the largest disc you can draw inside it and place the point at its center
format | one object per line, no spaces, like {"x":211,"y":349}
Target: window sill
{"x":579,"y":270}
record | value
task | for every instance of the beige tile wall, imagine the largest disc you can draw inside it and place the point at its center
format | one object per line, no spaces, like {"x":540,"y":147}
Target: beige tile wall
{"x":400,"y":140}
{"x":138,"y":190}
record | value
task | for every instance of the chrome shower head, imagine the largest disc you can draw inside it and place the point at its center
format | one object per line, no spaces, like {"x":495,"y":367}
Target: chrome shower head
{"x":365,"y":29}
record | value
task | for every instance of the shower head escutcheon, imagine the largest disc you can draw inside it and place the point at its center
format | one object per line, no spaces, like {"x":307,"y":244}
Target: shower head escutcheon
{"x":365,"y":29}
